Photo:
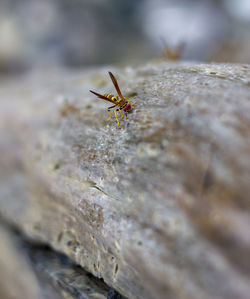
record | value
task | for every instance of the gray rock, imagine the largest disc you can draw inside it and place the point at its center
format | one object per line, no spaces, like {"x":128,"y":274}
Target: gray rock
{"x":159,"y":207}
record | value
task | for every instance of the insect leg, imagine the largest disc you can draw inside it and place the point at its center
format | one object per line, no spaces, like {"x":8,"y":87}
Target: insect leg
{"x":108,"y":109}
{"x":116,"y":117}
{"x":120,"y":112}
{"x":132,"y":104}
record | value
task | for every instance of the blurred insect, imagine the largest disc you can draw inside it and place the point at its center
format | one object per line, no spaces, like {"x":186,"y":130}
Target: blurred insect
{"x":173,"y":53}
{"x":120,"y":102}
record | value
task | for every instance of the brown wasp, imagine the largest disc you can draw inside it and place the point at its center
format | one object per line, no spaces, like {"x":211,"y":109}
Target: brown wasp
{"x":120,"y":102}
{"x":173,"y":53}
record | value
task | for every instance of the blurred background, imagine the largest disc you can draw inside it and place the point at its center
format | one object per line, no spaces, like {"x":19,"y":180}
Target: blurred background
{"x":77,"y":33}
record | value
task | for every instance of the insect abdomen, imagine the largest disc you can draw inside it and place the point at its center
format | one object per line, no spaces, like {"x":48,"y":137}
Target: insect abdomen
{"x":112,"y":97}
{"x":116,"y":99}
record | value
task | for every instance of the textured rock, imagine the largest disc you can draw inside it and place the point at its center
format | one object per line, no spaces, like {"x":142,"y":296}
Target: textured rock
{"x":45,"y":274}
{"x":17,"y":279}
{"x":159,"y":208}
{"x":68,"y":279}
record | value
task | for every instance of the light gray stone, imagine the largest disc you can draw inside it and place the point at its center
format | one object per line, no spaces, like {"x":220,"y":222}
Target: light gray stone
{"x":159,"y":207}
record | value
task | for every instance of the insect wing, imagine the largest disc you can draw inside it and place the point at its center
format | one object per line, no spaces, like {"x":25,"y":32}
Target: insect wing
{"x":98,"y":95}
{"x":102,"y":97}
{"x":116,"y":85}
{"x":180,"y":48}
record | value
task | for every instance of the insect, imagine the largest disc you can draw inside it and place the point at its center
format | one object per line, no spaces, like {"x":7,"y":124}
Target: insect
{"x":173,"y":53}
{"x":120,"y":102}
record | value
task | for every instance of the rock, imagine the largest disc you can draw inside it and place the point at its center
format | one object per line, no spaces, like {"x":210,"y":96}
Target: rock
{"x":17,"y":279}
{"x":112,"y":294}
{"x":159,"y":207}
{"x":45,"y":274}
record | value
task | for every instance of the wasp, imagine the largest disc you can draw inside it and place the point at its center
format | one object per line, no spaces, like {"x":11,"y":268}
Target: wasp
{"x":173,"y":53}
{"x":120,"y":102}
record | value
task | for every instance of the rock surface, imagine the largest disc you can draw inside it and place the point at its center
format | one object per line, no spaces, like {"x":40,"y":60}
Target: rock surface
{"x":45,"y":274}
{"x":12,"y":263}
{"x":159,"y":207}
